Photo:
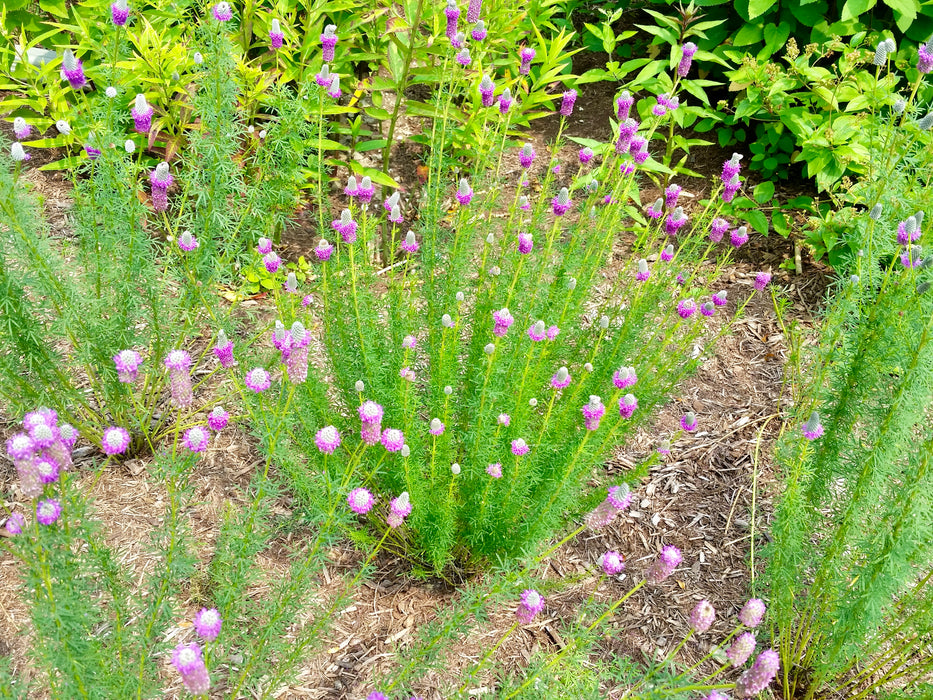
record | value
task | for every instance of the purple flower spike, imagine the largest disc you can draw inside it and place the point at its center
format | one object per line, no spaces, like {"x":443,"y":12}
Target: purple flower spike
{"x":324,"y":250}
{"x":92,"y":153}
{"x":910,"y":258}
{"x":190,"y":665}
{"x":276,"y":35}
{"x":479,"y":32}
{"x":702,"y":617}
{"x":688,"y":421}
{"x":688,"y":51}
{"x":686,"y":308}
{"x":473,"y":11}
{"x":504,"y":419}
{"x":328,"y":42}
{"x":459,"y":40}
{"x":119,"y":13}
{"x":759,"y":676}
{"x":813,"y":429}
{"x":732,"y":167}
{"x":452,"y":13}
{"x":142,"y":114}
{"x":668,"y":253}
{"x":217,"y":419}
{"x":624,"y":104}
{"x":15,"y":523}
{"x":367,"y":189}
{"x":761,"y":280}
{"x":486,"y":90}
{"x":264,"y":246}
{"x":752,"y":612}
{"x":561,"y":379}
{"x":271,"y":262}
{"x":196,"y":439}
{"x":187,"y":242}
{"x":741,"y":649}
{"x":628,"y":404}
{"x":410,"y":244}
{"x":664,"y":565}
{"x":502,"y":321}
{"x":345,"y":226}
{"x":675,"y":221}
{"x":643,"y":271}
{"x":376,"y":695}
{"x":327,"y":440}
{"x":567,"y":103}
{"x":21,"y":129}
{"x":731,"y":188}
{"x":527,"y":155}
{"x":925,"y":58}
{"x":393,"y":439}
{"x":324,"y":79}
{"x":361,"y":501}
{"x":537,"y":331}
{"x":463,"y":57}
{"x":258,"y":380}
{"x":739,"y":237}
{"x":552,"y":332}
{"x":399,"y":509}
{"x":593,"y":411}
{"x":527,"y":55}
{"x":207,"y":623}
{"x":620,"y":497}
{"x":585,"y":155}
{"x":671,"y":195}
{"x":127,"y":362}
{"x":908,"y":231}
{"x":48,"y":511}
{"x":717,"y":229}
{"x":520,"y":447}
{"x":708,"y":308}
{"x":612,"y":563}
{"x":437,"y":427}
{"x":530,"y":604}
{"x":73,"y":70}
{"x":223,"y":350}
{"x":495,"y":470}
{"x":721,"y":298}
{"x":333,"y":90}
{"x":525,"y":243}
{"x":115,"y":441}
{"x":624,"y":377}
{"x":562,"y":202}
{"x":505,"y":101}
{"x":464,"y":192}
{"x":222,"y":12}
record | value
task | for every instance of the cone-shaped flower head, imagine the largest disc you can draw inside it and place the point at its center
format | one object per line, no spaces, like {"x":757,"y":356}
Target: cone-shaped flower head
{"x":671,"y":195}
{"x":527,"y":155}
{"x":21,"y":129}
{"x":686,"y":308}
{"x":688,"y":51}
{"x":196,"y":439}
{"x":759,"y":676}
{"x":732,"y":167}
{"x":612,"y":563}
{"x":561,"y":379}
{"x":187,"y":242}
{"x":327,"y":440}
{"x":674,"y":221}
{"x":624,"y":377}
{"x":526,"y":242}
{"x":702,"y":616}
{"x":333,"y":90}
{"x":222,"y":12}
{"x":752,"y":613}
{"x":739,"y":237}
{"x":114,"y":441}
{"x":925,"y":57}
{"x":48,"y":511}
{"x":643,"y":272}
{"x":495,"y":470}
{"x":361,"y":501}
{"x":258,"y":380}
{"x":329,"y":41}
{"x":562,"y":202}
{"x":741,"y":649}
{"x":127,"y":363}
{"x":324,"y":79}
{"x":119,"y":13}
{"x":207,"y":623}
{"x":452,"y":13}
{"x":20,"y":447}
{"x":628,"y":404}
{"x":813,"y":429}
{"x":393,"y":439}
{"x":217,"y":419}
{"x":15,"y":523}
{"x":624,"y":104}
{"x":530,"y":604}
{"x":463,"y":57}
{"x":567,"y":102}
{"x":345,"y":226}
{"x":142,"y":114}
{"x":520,"y":447}
{"x":688,"y":421}
{"x":505,"y":101}
{"x":478,"y":32}
{"x":593,"y":411}
{"x":399,"y":509}
{"x":64,"y":128}
{"x":464,"y":192}
{"x":224,"y":349}
{"x":708,"y":308}
{"x":537,"y":331}
{"x":276,"y":36}
{"x":73,"y":70}
{"x":410,"y":244}
{"x":190,"y":665}
{"x":526,"y":55}
{"x":664,"y":565}
{"x":721,"y":298}
{"x":762,"y":279}
{"x":395,"y":216}
{"x":486,"y":90}
{"x":717,"y":229}
{"x":324,"y":250}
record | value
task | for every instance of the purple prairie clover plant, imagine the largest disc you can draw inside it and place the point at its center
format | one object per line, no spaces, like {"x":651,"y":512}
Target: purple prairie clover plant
{"x":160,"y":180}
{"x":675,"y":221}
{"x":327,"y":440}
{"x":367,"y":189}
{"x":671,"y":195}
{"x":526,"y":56}
{"x":702,"y":616}
{"x":473,"y":11}
{"x":486,"y":90}
{"x":142,"y":114}
{"x":504,"y":419}
{"x":452,"y":13}
{"x":48,"y":511}
{"x":296,"y":364}
{"x":627,"y":130}
{"x":624,"y":377}
{"x":409,"y":342}
{"x":561,"y":379}
{"x":222,"y":12}
{"x":437,"y":427}
{"x":925,"y":58}
{"x":708,"y":308}
{"x":478,"y":33}
{"x":520,"y":447}
{"x":617,"y":500}
{"x":223,"y":350}
{"x":361,"y":501}
{"x":687,"y":52}
{"x":908,"y":231}
{"x":399,"y":509}
{"x":73,"y":70}
{"x":662,"y":567}
{"x":762,"y":279}
{"x":668,"y":253}
{"x":524,"y":204}
{"x":391,"y":201}
{"x":464,"y":192}
{"x":552,"y":332}
{"x":537,"y":331}
{"x":345,"y":226}
{"x":495,"y":470}
{"x":393,"y":439}
{"x":717,"y":229}
{"x":530,"y":604}
{"x":585,"y":155}
{"x":264,"y":246}
{"x":119,"y":13}
{"x":196,"y":439}
{"x":395,"y":216}
{"x":505,"y":101}
{"x":15,"y":523}
{"x":329,"y":42}
{"x":593,"y":411}
{"x":324,"y":79}
{"x":46,"y":469}
{"x":463,"y":57}
{"x":561,"y":203}
{"x":624,"y":104}
{"x":732,"y":186}
{"x":612,"y":563}
{"x":114,"y":441}
{"x":752,"y":613}
{"x":739,"y":237}
{"x":324,"y":250}
{"x":526,"y":156}
{"x":21,"y":129}
{"x":410,"y":243}
{"x":207,"y":623}
{"x":740,"y":649}
{"x":276,"y":35}
{"x":568,"y":99}
{"x":688,"y":421}
{"x":187,"y":242}
{"x":911,"y":257}
{"x":217,"y":419}
{"x":333,"y":90}
{"x":178,"y":363}
{"x":628,"y":404}
{"x":526,"y":243}
{"x":721,"y":298}
{"x":759,"y":676}
{"x":187,"y":660}
{"x":686,"y":308}
{"x":813,"y":429}
{"x":127,"y":363}
{"x":371,"y":418}
{"x":731,"y":168}
{"x":18,"y":153}
{"x":459,"y":40}
{"x":643,"y":272}
{"x":639,"y":150}
{"x":257,"y":380}
{"x":502,"y":321}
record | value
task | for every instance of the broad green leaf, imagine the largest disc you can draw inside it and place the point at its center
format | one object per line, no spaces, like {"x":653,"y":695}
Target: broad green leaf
{"x":748,"y":34}
{"x":377,"y":176}
{"x":763,"y":192}
{"x":780,"y":223}
{"x":756,"y":8}
{"x":758,"y":221}
{"x":853,"y":8}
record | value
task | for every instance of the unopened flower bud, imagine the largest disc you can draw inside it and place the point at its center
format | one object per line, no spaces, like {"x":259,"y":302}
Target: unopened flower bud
{"x":360,"y":387}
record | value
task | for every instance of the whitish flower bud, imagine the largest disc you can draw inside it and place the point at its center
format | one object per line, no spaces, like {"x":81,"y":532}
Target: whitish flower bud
{"x":447,"y":321}
{"x":16,"y":152}
{"x":572,"y":283}
{"x":539,"y":328}
{"x":588,"y":366}
{"x":923,"y":287}
{"x":111,"y":92}
{"x":360,"y":386}
{"x":291,"y":284}
{"x":604,"y":322}
{"x":448,"y":390}
{"x":495,"y":271}
{"x":926,"y":122}
{"x":405,"y":451}
{"x":855,"y":279}
{"x":129,"y":146}
{"x":892,"y":47}
{"x":490,"y":239}
{"x":533,"y":402}
{"x":899,"y":105}
{"x":263,"y":133}
{"x":522,"y":202}
{"x":396,"y":213}
{"x":455,"y":469}
{"x":250,"y":129}
{"x":460,"y":296}
{"x":489,"y":349}
{"x":919,"y":217}
{"x":563,"y":197}
{"x":198,"y":58}
{"x":881,"y":54}
{"x":875,"y":212}
{"x":410,"y":239}
{"x":592,"y":186}
{"x":910,"y":225}
{"x":64,"y":128}
{"x":562,"y":374}
{"x":592,"y":212}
